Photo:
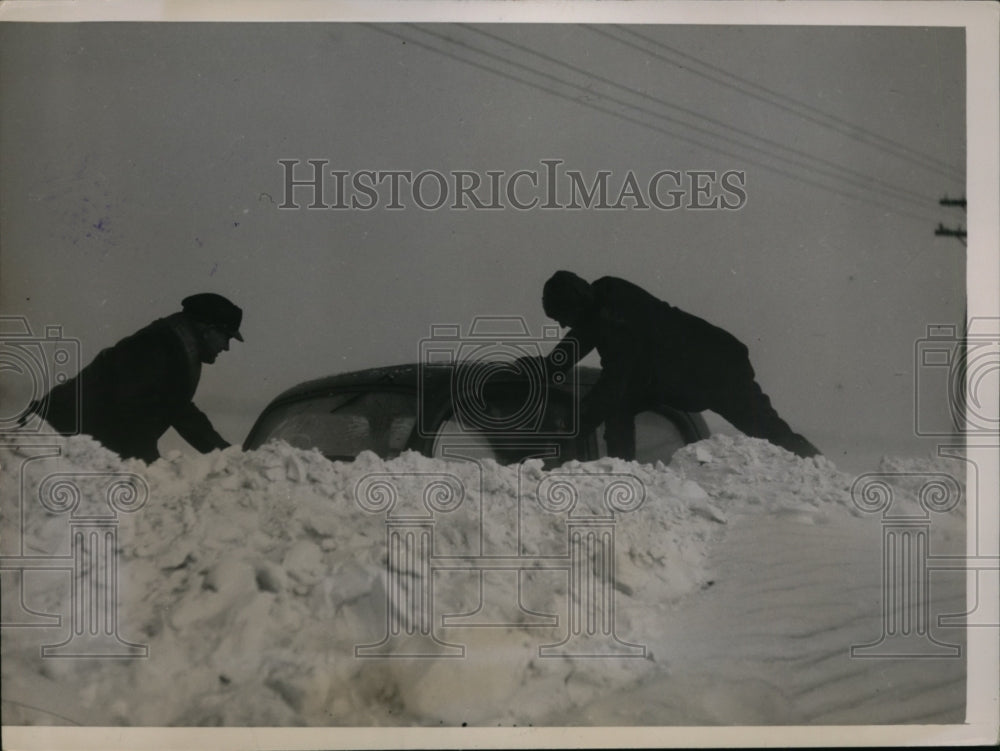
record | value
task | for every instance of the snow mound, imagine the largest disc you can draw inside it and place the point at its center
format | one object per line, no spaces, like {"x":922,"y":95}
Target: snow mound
{"x":258,"y":580}
{"x":939,"y":480}
{"x":746,"y":475}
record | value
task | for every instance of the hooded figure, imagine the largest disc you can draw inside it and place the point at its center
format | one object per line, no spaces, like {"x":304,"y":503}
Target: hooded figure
{"x":653,"y":353}
{"x":132,"y":392}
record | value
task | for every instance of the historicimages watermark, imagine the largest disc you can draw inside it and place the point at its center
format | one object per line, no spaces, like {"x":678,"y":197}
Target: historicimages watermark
{"x":547,"y":186}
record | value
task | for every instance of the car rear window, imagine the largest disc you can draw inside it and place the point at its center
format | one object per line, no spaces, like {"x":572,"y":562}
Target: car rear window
{"x":344,"y":425}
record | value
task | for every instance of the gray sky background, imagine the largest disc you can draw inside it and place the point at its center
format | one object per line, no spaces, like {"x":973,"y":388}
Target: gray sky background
{"x":135,"y":159}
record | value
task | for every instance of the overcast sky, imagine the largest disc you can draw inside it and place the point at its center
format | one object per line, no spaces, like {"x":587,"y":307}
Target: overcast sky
{"x":140,"y":164}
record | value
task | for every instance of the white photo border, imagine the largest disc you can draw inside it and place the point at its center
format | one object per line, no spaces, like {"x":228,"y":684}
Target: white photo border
{"x":981,"y":21}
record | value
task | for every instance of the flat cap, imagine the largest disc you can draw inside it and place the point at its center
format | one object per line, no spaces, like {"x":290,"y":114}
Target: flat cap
{"x":215,"y":310}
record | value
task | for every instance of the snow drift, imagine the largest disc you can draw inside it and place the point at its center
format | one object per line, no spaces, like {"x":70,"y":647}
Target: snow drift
{"x":263,"y":588}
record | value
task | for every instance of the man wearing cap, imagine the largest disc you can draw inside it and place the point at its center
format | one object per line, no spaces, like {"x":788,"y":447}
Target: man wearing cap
{"x":653,"y":353}
{"x":135,"y":390}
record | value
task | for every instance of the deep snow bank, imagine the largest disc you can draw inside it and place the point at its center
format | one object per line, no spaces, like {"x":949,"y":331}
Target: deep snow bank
{"x":258,"y":579}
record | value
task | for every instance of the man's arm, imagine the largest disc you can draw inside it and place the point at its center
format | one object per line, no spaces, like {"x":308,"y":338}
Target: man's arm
{"x":608,"y":395}
{"x":577,"y":344}
{"x":194,"y":427}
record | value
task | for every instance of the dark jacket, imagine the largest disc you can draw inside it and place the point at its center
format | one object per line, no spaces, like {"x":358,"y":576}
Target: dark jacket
{"x":134,"y":391}
{"x":651,"y":350}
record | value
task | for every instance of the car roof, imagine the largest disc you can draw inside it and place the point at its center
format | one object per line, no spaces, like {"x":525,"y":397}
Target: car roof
{"x":407,"y":376}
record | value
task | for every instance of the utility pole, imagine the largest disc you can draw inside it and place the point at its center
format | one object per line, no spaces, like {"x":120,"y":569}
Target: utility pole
{"x":960,"y":234}
{"x":957,"y":232}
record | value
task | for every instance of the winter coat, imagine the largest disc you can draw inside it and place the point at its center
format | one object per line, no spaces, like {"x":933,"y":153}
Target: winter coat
{"x":651,"y":350}
{"x":135,"y":390}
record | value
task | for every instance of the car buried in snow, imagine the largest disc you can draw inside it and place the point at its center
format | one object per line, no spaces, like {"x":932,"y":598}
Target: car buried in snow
{"x":500,"y":411}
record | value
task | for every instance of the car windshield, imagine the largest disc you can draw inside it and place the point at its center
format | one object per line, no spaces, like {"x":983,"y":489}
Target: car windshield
{"x":344,"y":425}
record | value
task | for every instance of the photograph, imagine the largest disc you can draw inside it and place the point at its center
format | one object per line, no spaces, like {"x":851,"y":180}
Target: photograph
{"x":520,"y":374}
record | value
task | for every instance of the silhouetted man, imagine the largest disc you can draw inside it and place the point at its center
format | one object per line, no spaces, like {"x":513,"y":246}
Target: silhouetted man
{"x":133,"y":391}
{"x":653,"y":353}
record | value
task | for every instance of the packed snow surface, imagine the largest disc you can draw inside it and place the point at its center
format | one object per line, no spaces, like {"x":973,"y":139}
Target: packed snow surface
{"x":725,"y":588}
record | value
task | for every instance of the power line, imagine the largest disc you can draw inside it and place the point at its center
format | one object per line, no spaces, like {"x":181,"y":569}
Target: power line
{"x":857,"y":179}
{"x":788,"y":104}
{"x":575,"y":100}
{"x":842,"y":126}
{"x":586,"y":91}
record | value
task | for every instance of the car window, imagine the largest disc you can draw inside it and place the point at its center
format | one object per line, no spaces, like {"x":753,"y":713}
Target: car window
{"x":344,"y":425}
{"x":656,"y":438}
{"x":507,"y":430}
